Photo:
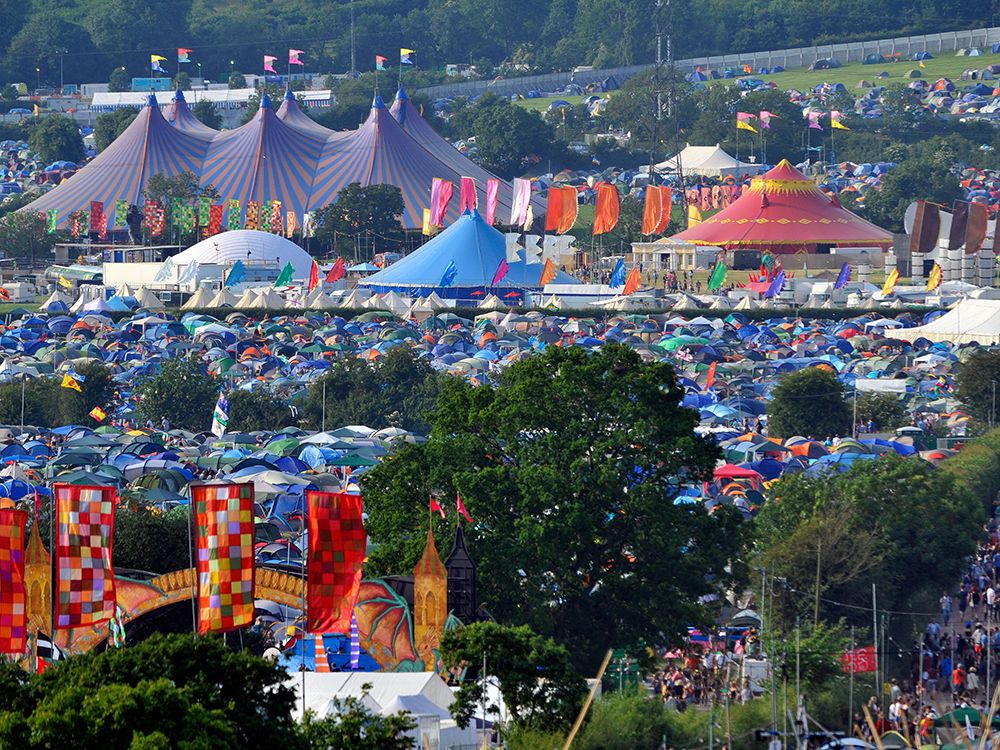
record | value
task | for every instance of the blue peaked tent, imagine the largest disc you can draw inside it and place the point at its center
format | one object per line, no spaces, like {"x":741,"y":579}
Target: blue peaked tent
{"x":476,"y":249}
{"x":178,"y":114}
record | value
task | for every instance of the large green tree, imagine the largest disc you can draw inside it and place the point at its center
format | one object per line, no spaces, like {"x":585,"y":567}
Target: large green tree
{"x":809,"y":402}
{"x":912,"y":180}
{"x":261,"y":409}
{"x":538,"y":685}
{"x":55,"y":138}
{"x":369,"y":210}
{"x":119,"y":80}
{"x":569,"y":469}
{"x":24,"y":234}
{"x":152,"y":541}
{"x":182,"y":392}
{"x":206,"y":112}
{"x":510,"y":139}
{"x":397,"y":390}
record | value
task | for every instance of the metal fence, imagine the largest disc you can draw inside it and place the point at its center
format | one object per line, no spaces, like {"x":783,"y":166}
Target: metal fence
{"x":799,"y":57}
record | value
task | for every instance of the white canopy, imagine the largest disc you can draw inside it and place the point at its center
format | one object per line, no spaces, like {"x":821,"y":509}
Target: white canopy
{"x":970,"y":320}
{"x":707,"y":160}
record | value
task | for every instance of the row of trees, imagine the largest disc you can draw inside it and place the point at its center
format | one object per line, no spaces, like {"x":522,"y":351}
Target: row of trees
{"x":80,"y":44}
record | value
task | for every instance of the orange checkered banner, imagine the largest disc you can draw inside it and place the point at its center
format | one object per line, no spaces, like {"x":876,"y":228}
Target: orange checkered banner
{"x":336,"y":552}
{"x":85,"y":579}
{"x":13,"y":597}
{"x":224,"y":539}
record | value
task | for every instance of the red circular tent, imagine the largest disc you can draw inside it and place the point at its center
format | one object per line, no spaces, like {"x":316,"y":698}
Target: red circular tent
{"x":783,"y":211}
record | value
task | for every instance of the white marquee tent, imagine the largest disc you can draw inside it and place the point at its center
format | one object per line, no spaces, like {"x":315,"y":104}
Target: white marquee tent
{"x":710,"y":161}
{"x":971,"y":320}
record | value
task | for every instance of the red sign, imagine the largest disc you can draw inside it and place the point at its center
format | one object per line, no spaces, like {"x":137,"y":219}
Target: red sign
{"x":858,"y":660}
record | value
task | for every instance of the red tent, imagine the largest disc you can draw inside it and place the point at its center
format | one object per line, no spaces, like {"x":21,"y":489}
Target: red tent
{"x":784,"y":211}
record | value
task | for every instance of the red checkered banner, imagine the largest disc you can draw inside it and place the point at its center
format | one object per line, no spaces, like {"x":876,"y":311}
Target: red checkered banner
{"x":336,"y":552}
{"x":85,"y":579}
{"x":13,"y":597}
{"x":224,"y":539}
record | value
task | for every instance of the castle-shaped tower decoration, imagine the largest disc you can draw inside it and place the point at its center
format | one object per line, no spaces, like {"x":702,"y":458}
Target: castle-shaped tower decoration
{"x":461,"y":580}
{"x":430,"y":602}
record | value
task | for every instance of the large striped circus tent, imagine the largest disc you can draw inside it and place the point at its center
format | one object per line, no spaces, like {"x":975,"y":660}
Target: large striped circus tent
{"x":278,"y":155}
{"x":147,"y":147}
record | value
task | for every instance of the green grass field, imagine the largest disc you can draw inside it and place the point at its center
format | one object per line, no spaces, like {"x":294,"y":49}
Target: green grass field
{"x":945,"y":66}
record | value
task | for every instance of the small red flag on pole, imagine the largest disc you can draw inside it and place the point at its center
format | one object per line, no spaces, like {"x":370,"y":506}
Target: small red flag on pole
{"x":461,"y":508}
{"x":436,"y":506}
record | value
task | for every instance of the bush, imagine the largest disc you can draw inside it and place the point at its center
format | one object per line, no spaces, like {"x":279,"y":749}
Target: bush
{"x":625,"y":722}
{"x":250,"y":411}
{"x":152,"y":541}
{"x":809,"y":402}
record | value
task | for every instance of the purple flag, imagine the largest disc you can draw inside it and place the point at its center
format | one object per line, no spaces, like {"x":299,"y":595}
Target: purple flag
{"x":355,"y":643}
{"x":844,"y":277}
{"x":502,"y":270}
{"x":776,"y":286}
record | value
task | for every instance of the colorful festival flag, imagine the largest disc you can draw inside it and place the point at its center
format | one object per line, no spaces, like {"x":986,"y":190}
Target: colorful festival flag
{"x":64,"y":282}
{"x":68,"y":381}
{"x":427,"y":229}
{"x":549,"y":272}
{"x":469,"y":199}
{"x":522,"y":199}
{"x":890,"y":283}
{"x":269,"y":63}
{"x":440,"y":198}
{"x":215,"y":213}
{"x":859,"y":660}
{"x":313,"y":275}
{"x":336,"y":272}
{"x":813,"y":118}
{"x":285,"y":277}
{"x":843,"y":277}
{"x":336,"y":553}
{"x":234,"y":219}
{"x":652,"y":210}
{"x":380,"y":62}
{"x":154,"y":63}
{"x":608,"y":208}
{"x":220,"y":416}
{"x":52,"y":220}
{"x":97,"y":413}
{"x":765,"y":118}
{"x":204,"y":210}
{"x":743,"y":122}
{"x":291,"y":223}
{"x":450,"y":272}
{"x":461,"y":508}
{"x":492,"y":200}
{"x":85,"y":579}
{"x":718,"y":277}
{"x":404,"y":56}
{"x":182,"y":54}
{"x":264,"y":212}
{"x":121,"y":213}
{"x":154,"y":217}
{"x":224,"y":540}
{"x":253,"y":215}
{"x":835,"y":120}
{"x":934,"y":278}
{"x":277,"y":223}
{"x":501,"y":271}
{"x":234,"y":277}
{"x":617,"y":275}
{"x":435,"y":507}
{"x":293,"y":57}
{"x":632,"y":282}
{"x":14,"y":601}
{"x":97,"y":223}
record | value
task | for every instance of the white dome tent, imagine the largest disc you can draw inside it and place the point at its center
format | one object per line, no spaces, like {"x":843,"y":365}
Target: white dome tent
{"x":249,"y":246}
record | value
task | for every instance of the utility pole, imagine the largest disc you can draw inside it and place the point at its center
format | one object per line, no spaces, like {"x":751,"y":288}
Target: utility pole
{"x":482,"y":702}
{"x":354,"y":66}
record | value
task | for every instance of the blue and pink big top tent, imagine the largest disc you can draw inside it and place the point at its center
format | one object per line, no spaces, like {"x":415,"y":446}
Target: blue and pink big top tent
{"x":277,"y":156}
{"x":476,"y":250}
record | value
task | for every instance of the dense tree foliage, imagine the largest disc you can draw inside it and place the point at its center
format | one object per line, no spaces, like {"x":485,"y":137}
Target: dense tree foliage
{"x":259,"y":409}
{"x":47,"y":404}
{"x":809,"y":402}
{"x":539,"y":687}
{"x":152,"y":541}
{"x":182,"y":392}
{"x":906,"y":183}
{"x":512,"y":35}
{"x":830,"y":537}
{"x":361,"y":209}
{"x":569,"y":469}
{"x":24,"y":234}
{"x":885,"y":410}
{"x":207,"y":113}
{"x":55,"y":138}
{"x":979,"y":385}
{"x":397,"y":390}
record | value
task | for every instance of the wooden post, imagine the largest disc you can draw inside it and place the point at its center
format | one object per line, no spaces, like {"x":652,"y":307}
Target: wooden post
{"x":590,"y":699}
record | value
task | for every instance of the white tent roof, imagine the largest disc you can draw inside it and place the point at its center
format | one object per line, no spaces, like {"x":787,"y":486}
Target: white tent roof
{"x":706,"y":160}
{"x":323,"y":687}
{"x":248,"y":246}
{"x":970,"y":320}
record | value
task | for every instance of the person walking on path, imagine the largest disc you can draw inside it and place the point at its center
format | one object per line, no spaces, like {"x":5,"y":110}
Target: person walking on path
{"x":945,"y":608}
